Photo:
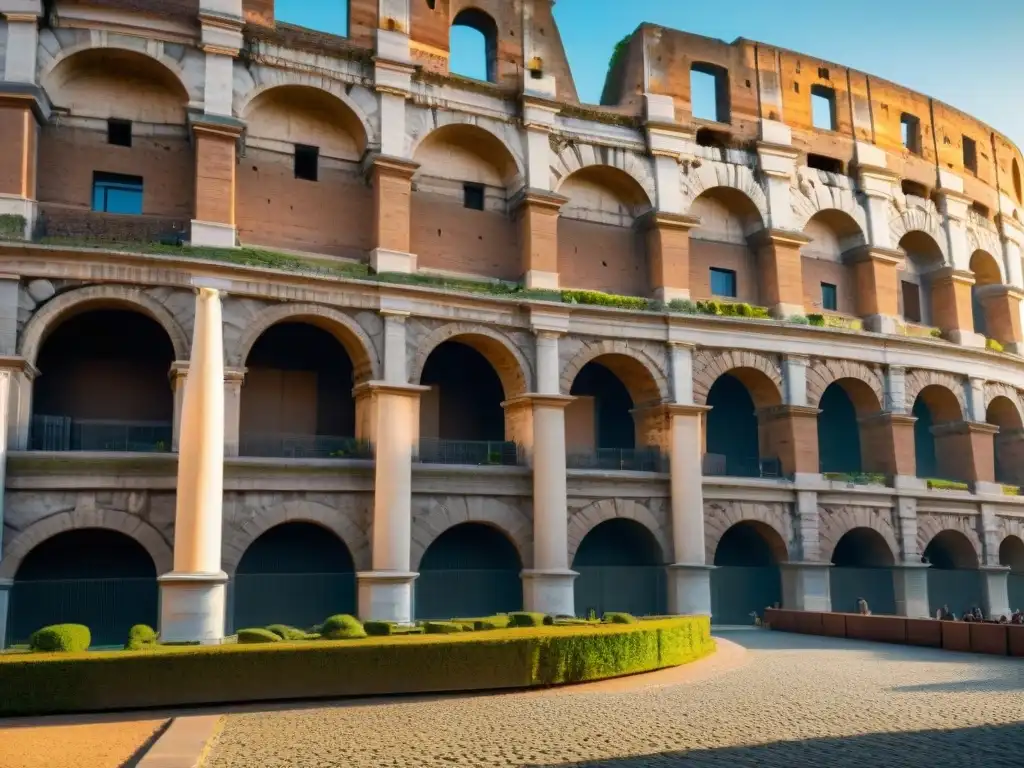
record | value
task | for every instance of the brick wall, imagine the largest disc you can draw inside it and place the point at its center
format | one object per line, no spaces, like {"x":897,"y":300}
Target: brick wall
{"x":705,"y":254}
{"x":602,"y":257}
{"x":818,"y":271}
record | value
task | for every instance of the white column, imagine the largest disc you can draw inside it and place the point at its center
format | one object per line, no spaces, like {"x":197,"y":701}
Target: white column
{"x":954,"y":204}
{"x":896,"y":390}
{"x":976,"y":400}
{"x":910,"y":583}
{"x":778,"y":164}
{"x":997,"y":597}
{"x":234,"y":380}
{"x":538,"y":122}
{"x":192,"y":596}
{"x":666,"y":142}
{"x":177,"y":375}
{"x":22,"y":18}
{"x":395,"y":357}
{"x":795,"y":379}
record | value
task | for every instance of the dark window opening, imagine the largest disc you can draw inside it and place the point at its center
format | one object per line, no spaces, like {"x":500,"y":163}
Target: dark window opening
{"x":829,"y":297}
{"x":911,"y":301}
{"x":970,"y":155}
{"x":723,"y":282}
{"x":823,"y":73}
{"x":824,"y":163}
{"x":709,"y":92}
{"x":473,"y":196}
{"x":116,"y":193}
{"x":307,"y":162}
{"x":914,"y":188}
{"x":474,"y":45}
{"x":823,"y":107}
{"x":981,"y":210}
{"x":119,"y":132}
{"x":910,"y":133}
{"x":430,"y":4}
{"x":708,"y":137}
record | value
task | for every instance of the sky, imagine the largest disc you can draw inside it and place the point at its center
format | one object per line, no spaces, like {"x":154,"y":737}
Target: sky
{"x":969,"y":54}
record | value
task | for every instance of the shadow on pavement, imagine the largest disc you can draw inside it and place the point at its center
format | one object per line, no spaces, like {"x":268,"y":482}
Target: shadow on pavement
{"x":990,"y":746}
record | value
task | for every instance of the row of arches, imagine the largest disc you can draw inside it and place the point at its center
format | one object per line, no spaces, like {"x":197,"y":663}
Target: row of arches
{"x":299,"y":572}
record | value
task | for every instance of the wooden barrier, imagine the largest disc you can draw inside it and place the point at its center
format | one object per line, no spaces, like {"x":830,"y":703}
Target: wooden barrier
{"x":971,"y":637}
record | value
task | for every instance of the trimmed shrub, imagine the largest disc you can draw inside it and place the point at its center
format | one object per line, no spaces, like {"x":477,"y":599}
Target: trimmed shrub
{"x":994,"y":346}
{"x":599,"y":299}
{"x":379,"y":628}
{"x":342,"y":627}
{"x":65,"y":638}
{"x":287,"y":633}
{"x":140,"y":636}
{"x":618,"y":617}
{"x":525,"y":619}
{"x":683,"y":306}
{"x":442,"y":628}
{"x":936,"y":484}
{"x":257,"y":635}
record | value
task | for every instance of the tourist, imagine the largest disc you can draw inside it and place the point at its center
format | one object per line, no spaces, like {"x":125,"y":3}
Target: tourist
{"x":862,"y":607}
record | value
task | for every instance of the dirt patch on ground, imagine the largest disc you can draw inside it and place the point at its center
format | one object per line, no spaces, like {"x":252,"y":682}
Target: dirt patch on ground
{"x":61,"y":743}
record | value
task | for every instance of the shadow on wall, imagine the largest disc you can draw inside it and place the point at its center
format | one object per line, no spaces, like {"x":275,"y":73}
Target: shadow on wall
{"x":913,"y":749}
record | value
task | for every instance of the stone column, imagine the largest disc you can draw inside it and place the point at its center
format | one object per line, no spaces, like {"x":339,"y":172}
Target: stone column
{"x":910,"y":575}
{"x":6,"y":384}
{"x":215,"y":142}
{"x":392,"y":205}
{"x":1012,"y":234}
{"x":954,"y":205}
{"x":536,"y":213}
{"x":965,"y":451}
{"x":953,"y":307}
{"x":1002,"y":306}
{"x":878,"y":284}
{"x":997,"y":597}
{"x":668,"y":254}
{"x":887,"y":444}
{"x":178,"y":375}
{"x":780,"y":271}
{"x":790,"y":434}
{"x":192,"y":596}
{"x":806,"y":587}
{"x":234,"y":378}
{"x":778,"y":165}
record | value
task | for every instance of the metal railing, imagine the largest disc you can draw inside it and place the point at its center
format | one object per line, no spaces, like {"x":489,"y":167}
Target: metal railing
{"x":473,"y":453}
{"x":288,"y":446}
{"x":720,"y":465}
{"x":620,"y":460}
{"x":63,"y":433}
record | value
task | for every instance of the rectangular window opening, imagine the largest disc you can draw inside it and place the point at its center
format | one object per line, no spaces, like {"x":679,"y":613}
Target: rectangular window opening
{"x":116,"y":193}
{"x":119,"y":132}
{"x":823,"y":108}
{"x":825,"y":163}
{"x":970,"y":155}
{"x":473,"y":196}
{"x":910,"y":133}
{"x":911,"y":301}
{"x":307,"y":162}
{"x":829,"y":297}
{"x":723,"y":282}
{"x":709,"y":92}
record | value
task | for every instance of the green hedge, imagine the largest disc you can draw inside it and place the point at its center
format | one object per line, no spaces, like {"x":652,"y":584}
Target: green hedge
{"x":467,"y":661}
{"x":257,"y":635}
{"x":285,"y":632}
{"x":65,"y":638}
{"x":342,"y":627}
{"x":140,"y":636}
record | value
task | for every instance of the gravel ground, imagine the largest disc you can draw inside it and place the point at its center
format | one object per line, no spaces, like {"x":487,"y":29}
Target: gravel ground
{"x":52,"y":743}
{"x":797,"y":701}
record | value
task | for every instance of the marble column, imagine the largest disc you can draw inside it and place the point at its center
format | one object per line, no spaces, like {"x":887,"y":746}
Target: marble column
{"x":997,"y":596}
{"x":910,"y":583}
{"x":192,"y":596}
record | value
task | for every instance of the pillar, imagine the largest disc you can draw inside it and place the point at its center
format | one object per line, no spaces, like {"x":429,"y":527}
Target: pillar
{"x":790,"y":434}
{"x":965,"y":451}
{"x":178,"y":375}
{"x":536,"y":214}
{"x":778,"y":167}
{"x":6,"y":383}
{"x":1002,"y":306}
{"x":954,"y":205}
{"x":392,"y":210}
{"x":996,"y":594}
{"x":19,"y":136}
{"x":668,"y":254}
{"x":780,"y":271}
{"x":805,"y":586}
{"x":215,"y":142}
{"x":887,"y":444}
{"x":234,"y":378}
{"x":5,"y":604}
{"x":877,"y":274}
{"x":952,"y":306}
{"x":192,"y":596}
{"x":876,"y":184}
{"x":910,"y":584}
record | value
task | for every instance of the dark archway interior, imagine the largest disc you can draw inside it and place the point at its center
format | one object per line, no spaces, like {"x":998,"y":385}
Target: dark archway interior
{"x":1011,"y":553}
{"x":862,"y":564}
{"x":92,"y":576}
{"x":468,"y":398}
{"x":621,"y":568}
{"x":924,"y":440}
{"x":298,"y":384}
{"x":954,"y":580}
{"x":744,"y":544}
{"x":838,"y":432}
{"x":103,"y":384}
{"x":951,"y":550}
{"x":862,"y":548}
{"x":746,"y":578}
{"x":470,"y":570}
{"x":614,"y":426}
{"x":732,"y":426}
{"x":297,"y":547}
{"x":618,"y":542}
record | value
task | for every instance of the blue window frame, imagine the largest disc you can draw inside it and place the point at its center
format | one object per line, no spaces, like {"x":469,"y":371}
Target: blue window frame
{"x":116,"y":193}
{"x":723,"y":282}
{"x":829,"y":297}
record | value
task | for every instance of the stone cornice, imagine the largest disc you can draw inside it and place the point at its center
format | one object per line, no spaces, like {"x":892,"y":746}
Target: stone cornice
{"x":964,"y":427}
{"x":784,"y":151}
{"x":539,"y":399}
{"x":876,"y":172}
{"x":389,"y":165}
{"x":874,"y":253}
{"x":952,"y":274}
{"x":220,"y":125}
{"x":786,"y":411}
{"x":26,"y":94}
{"x":782,"y":237}
{"x":681,"y":222}
{"x":540,"y":198}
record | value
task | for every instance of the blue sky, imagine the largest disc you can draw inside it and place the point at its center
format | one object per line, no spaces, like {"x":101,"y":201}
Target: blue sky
{"x":967,"y":54}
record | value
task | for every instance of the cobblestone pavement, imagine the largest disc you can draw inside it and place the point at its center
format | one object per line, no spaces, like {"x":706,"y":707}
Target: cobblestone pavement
{"x":798,"y":701}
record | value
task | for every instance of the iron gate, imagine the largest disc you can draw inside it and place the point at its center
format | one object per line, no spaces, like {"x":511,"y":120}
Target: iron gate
{"x":296,"y":599}
{"x":636,"y":589}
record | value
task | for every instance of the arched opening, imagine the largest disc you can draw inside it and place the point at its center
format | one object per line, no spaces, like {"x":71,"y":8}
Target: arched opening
{"x":954,"y":580}
{"x":461,"y":418}
{"x":297,"y":396}
{"x":723,"y":264}
{"x":470,"y":570}
{"x":735,"y":443}
{"x":1009,"y":441}
{"x":862,"y":568}
{"x":126,"y":164}
{"x":830,"y":285}
{"x":937,"y":450}
{"x":600,"y":248}
{"x":92,"y":576}
{"x":474,"y":45}
{"x":746,"y":579}
{"x":838,"y":433}
{"x":296,"y":573}
{"x":923,"y":257}
{"x":1011,"y":553}
{"x":621,"y":568}
{"x":460,"y":212}
{"x":103,"y":385}
{"x":985,"y":294}
{"x":300,"y":185}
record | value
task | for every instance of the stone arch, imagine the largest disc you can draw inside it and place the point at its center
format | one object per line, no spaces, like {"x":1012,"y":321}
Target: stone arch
{"x":643,"y":376}
{"x":918,"y":380}
{"x":508,"y":361}
{"x":436,"y":123}
{"x":930,"y":526}
{"x":760,"y":373}
{"x":720,"y":517}
{"x":435,"y":516}
{"x":997,"y":389}
{"x":1010,"y":526}
{"x":866,"y":390}
{"x":350,"y":531}
{"x":814,"y":197}
{"x":576,"y":157}
{"x":983,"y":236}
{"x":709,"y":176}
{"x":1004,"y":412}
{"x":987,"y":269}
{"x":838,"y":521}
{"x":583,"y":521}
{"x":108,"y":519}
{"x":344,"y":328}
{"x":928,"y":221}
{"x":65,"y":305}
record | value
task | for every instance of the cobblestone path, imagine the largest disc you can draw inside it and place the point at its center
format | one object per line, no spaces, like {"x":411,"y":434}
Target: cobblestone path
{"x":798,"y":701}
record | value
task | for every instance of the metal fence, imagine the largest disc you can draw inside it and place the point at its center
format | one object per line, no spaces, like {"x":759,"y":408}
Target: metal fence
{"x":473,"y":453}
{"x":296,"y":599}
{"x":620,"y":460}
{"x":637,"y":589}
{"x":63,"y":433}
{"x":466,"y":593}
{"x":287,"y":446}
{"x":720,"y":465}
